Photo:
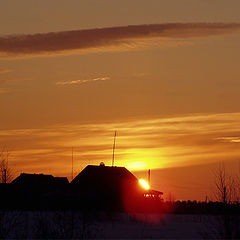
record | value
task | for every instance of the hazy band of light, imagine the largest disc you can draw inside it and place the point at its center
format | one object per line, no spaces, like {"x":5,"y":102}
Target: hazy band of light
{"x":143,"y":143}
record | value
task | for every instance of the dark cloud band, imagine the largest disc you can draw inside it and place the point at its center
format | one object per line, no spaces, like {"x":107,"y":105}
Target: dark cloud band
{"x":58,"y":42}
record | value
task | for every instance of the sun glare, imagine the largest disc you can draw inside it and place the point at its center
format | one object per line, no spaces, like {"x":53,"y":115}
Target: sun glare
{"x":144,"y":184}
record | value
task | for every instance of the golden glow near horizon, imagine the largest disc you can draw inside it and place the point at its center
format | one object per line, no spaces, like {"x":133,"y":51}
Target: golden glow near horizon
{"x":147,"y":144}
{"x":144,"y":184}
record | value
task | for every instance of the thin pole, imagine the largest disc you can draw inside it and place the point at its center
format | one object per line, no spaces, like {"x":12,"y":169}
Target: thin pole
{"x":72,"y":163}
{"x":114,"y":145}
{"x":149,"y":177}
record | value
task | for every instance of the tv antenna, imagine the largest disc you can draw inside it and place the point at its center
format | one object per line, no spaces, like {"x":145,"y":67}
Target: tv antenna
{"x":114,"y":145}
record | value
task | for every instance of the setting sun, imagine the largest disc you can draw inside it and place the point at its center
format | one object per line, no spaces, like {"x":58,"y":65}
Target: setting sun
{"x":144,"y":184}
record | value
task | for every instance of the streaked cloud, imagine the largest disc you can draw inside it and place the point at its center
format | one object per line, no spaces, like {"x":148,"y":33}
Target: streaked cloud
{"x":141,"y":143}
{"x":125,"y":37}
{"x":82,"y":81}
{"x":229,"y":139}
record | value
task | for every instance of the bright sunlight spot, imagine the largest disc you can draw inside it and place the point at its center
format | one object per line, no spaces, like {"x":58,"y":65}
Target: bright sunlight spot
{"x":144,"y":184}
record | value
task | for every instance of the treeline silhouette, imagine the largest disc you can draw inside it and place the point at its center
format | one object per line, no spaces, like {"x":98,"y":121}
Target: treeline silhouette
{"x":67,"y":196}
{"x":202,"y":207}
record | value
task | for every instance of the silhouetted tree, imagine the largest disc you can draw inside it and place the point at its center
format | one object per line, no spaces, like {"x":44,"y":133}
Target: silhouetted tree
{"x":5,"y":170}
{"x":237,"y":189}
{"x":226,"y":192}
{"x":225,"y":186}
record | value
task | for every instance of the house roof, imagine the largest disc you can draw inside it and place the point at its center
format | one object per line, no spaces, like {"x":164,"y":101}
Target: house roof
{"x":151,"y":191}
{"x":38,"y":179}
{"x":103,"y":173}
{"x":104,"y":178}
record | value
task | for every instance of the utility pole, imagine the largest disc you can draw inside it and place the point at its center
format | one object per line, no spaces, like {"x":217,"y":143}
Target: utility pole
{"x":72,"y":163}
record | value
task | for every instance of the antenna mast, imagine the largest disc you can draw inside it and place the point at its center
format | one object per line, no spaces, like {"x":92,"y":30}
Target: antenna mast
{"x":149,"y":177}
{"x":114,"y":145}
{"x":72,"y":163}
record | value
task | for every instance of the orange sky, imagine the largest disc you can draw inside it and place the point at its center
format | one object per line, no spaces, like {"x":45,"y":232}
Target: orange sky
{"x":170,"y":90}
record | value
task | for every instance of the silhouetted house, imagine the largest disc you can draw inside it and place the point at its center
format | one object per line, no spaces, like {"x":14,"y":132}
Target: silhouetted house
{"x":111,"y":188}
{"x":39,"y":190}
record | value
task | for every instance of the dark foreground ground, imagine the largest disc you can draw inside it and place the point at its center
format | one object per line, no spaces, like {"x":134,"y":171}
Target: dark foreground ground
{"x":26,"y":224}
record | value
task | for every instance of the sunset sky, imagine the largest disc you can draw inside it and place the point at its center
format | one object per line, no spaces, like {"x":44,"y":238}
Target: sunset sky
{"x":164,"y":74}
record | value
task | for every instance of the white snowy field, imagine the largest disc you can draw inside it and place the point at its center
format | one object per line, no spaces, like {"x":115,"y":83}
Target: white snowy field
{"x":73,"y":224}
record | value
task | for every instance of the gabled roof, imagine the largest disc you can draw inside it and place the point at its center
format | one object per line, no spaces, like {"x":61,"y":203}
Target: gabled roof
{"x":103,"y":178}
{"x":103,"y":173}
{"x":38,"y":179}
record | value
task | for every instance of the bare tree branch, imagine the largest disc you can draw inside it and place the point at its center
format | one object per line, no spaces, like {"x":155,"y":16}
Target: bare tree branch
{"x":5,"y":171}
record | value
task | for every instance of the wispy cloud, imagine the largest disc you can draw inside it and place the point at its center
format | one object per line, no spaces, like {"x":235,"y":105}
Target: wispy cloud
{"x":83,"y":81}
{"x":66,"y":42}
{"x":229,"y":139}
